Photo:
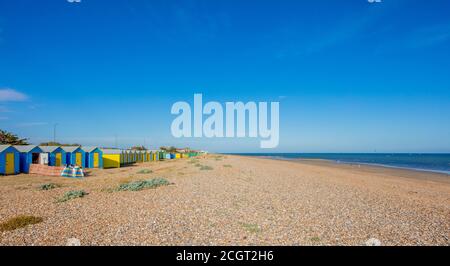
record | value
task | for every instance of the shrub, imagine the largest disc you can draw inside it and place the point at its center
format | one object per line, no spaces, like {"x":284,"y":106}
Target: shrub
{"x":141,"y":184}
{"x":73,"y":194}
{"x":19,"y":222}
{"x":252,"y":228}
{"x":145,"y":171}
{"x":48,"y":186}
{"x":206,"y":167}
{"x":227,"y":165}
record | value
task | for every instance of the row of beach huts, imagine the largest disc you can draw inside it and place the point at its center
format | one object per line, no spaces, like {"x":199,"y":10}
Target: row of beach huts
{"x":15,"y":159}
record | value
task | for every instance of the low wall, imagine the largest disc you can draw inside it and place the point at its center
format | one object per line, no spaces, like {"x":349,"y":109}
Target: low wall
{"x":45,"y":170}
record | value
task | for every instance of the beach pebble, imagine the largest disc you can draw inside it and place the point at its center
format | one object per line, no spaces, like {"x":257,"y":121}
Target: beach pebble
{"x":73,"y":242}
{"x":373,"y":242}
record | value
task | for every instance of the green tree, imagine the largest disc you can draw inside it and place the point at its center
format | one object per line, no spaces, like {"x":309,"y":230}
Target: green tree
{"x":138,"y":148}
{"x":51,"y":143}
{"x":11,"y":139}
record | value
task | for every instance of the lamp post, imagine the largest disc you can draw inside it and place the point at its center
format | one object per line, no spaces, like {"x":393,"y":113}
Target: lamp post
{"x":54,"y":132}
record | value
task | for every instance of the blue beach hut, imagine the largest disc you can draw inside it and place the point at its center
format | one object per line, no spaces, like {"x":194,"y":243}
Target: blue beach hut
{"x":75,"y":155}
{"x":9,"y":160}
{"x":29,"y":154}
{"x":93,"y":157}
{"x":56,"y":155}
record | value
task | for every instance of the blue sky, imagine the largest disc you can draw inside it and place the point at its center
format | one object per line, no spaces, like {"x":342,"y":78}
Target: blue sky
{"x":350,"y":76}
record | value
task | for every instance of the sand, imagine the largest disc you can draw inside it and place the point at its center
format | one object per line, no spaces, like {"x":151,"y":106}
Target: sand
{"x":240,"y":201}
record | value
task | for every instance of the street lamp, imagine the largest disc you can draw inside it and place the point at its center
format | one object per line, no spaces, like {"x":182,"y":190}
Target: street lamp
{"x":54,"y":132}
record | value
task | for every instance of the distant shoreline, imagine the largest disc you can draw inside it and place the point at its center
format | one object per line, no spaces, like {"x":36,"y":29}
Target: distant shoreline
{"x":343,"y":162}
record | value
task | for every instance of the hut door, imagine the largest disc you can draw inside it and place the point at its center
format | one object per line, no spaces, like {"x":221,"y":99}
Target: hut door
{"x":9,"y":163}
{"x":58,"y":159}
{"x":95,"y":160}
{"x":78,"y":159}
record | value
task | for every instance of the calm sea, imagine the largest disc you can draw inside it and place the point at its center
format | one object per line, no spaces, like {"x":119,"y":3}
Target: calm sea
{"x":415,"y":161}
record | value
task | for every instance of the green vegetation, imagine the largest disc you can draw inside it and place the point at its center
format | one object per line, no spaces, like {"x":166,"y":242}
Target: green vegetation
{"x":139,"y":148}
{"x":48,"y":186}
{"x":168,"y":149}
{"x":315,"y":239}
{"x":219,"y":157}
{"x":227,"y":165}
{"x":145,"y":171}
{"x":142,"y":184}
{"x":52,"y":143}
{"x":11,"y":139}
{"x":252,"y":228}
{"x":205,"y":167}
{"x":73,"y":194}
{"x":19,"y":222}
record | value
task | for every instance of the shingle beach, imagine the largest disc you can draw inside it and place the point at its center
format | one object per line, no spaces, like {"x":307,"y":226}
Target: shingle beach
{"x":233,"y":200}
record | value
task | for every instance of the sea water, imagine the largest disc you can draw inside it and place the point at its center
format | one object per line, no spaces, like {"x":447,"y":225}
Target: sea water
{"x":436,"y":162}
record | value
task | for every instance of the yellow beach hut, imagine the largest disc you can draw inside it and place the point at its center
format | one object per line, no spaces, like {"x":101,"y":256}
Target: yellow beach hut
{"x":111,"y":158}
{"x":9,"y":160}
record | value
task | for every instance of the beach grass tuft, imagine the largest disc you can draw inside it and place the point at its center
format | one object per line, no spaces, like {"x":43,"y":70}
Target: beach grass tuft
{"x":252,"y":228}
{"x":145,"y":171}
{"x":19,"y":222}
{"x":227,"y":165}
{"x":48,"y":186}
{"x":206,"y":167}
{"x":73,"y":194}
{"x":142,"y":184}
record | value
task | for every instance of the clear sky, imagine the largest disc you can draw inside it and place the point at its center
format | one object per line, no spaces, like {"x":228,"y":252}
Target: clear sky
{"x":350,"y":76}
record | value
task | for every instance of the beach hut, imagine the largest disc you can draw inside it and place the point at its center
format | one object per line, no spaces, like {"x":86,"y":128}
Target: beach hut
{"x":56,"y":155}
{"x":177,"y":155}
{"x":126,"y":154}
{"x":93,"y":157}
{"x":128,"y":158}
{"x":131,"y":156}
{"x":123,"y":157}
{"x":75,"y":155}
{"x":146,"y":156}
{"x":150,"y":155}
{"x":9,"y":160}
{"x":111,"y":158}
{"x":138,"y":156}
{"x":135,"y":155}
{"x":167,"y":156}
{"x":29,"y":154}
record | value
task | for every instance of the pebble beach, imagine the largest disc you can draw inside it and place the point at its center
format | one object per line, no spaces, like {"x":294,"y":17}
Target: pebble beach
{"x":233,"y":200}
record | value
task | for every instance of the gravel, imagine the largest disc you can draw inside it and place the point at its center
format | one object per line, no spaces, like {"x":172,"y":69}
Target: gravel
{"x":254,"y":202}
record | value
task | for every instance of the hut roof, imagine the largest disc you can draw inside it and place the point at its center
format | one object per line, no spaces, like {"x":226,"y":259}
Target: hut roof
{"x":89,"y":149}
{"x":111,"y":151}
{"x":4,"y":147}
{"x":49,"y":148}
{"x":70,"y":148}
{"x":25,"y":148}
